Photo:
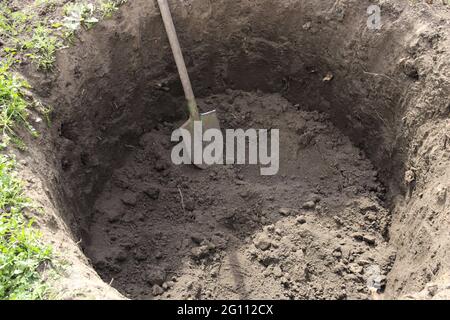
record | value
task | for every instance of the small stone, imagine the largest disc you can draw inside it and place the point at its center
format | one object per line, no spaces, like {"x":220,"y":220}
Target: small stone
{"x":410,"y":176}
{"x":202,"y":251}
{"x":168,"y":285}
{"x":99,"y":262}
{"x":199,"y":252}
{"x":338,"y":220}
{"x":301,"y":220}
{"x":432,"y":289}
{"x":158,"y":255}
{"x":252,"y":252}
{"x":328,"y":77}
{"x":315,"y":197}
{"x":355,"y":268}
{"x":371,"y":216}
{"x":277,"y":272}
{"x":366,"y":205}
{"x":309,"y":205}
{"x":379,"y":282}
{"x":339,"y":269}
{"x":307,"y":26}
{"x":369,"y":239}
{"x":285,"y":281}
{"x":214,"y":272}
{"x":357,"y":236}
{"x":157,"y":290}
{"x":410,"y":69}
{"x":350,"y":277}
{"x":337,"y":253}
{"x":244,"y":194}
{"x":262,"y":242}
{"x":441,"y":194}
{"x":284,"y":211}
{"x":129,"y":198}
{"x":197,"y":238}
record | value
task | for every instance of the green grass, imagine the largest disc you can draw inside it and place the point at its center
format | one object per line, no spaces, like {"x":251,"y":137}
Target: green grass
{"x":13,"y":106}
{"x":27,"y":35}
{"x":43,"y":48}
{"x":107,"y":8}
{"x":22,"y":255}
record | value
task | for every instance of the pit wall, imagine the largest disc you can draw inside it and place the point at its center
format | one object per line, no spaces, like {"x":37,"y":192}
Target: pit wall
{"x":389,"y":93}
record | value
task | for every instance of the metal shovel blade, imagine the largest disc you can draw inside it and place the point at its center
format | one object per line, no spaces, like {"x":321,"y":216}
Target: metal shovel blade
{"x":208,"y":120}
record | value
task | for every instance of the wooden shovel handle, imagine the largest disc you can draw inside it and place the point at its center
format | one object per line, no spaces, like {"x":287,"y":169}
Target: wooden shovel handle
{"x":179,"y":60}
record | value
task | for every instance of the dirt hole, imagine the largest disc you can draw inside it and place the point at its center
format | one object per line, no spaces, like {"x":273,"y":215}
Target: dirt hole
{"x":229,"y":232}
{"x":318,"y":229}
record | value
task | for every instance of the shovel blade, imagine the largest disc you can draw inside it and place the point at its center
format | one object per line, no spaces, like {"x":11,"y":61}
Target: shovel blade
{"x":209,"y":120}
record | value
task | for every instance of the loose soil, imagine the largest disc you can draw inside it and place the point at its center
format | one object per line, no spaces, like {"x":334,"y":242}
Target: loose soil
{"x":314,"y":231}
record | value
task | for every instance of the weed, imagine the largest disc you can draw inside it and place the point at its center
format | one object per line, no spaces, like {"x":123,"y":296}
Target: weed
{"x":45,"y":110}
{"x":79,"y":14}
{"x":43,"y":46}
{"x":12,"y":104}
{"x":108,"y":8}
{"x":21,"y":253}
{"x":13,"y":107}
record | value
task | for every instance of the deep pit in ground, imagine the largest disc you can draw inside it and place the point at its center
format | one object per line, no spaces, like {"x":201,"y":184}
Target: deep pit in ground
{"x":228,"y":232}
{"x":338,"y":215}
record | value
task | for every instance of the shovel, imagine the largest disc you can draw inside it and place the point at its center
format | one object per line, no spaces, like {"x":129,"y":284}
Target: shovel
{"x":208,"y":120}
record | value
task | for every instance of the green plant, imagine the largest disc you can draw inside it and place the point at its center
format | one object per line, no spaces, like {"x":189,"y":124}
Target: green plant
{"x":12,"y":104}
{"x":79,"y":14}
{"x":107,"y":8}
{"x":45,"y":110}
{"x":22,"y":255}
{"x":43,"y":46}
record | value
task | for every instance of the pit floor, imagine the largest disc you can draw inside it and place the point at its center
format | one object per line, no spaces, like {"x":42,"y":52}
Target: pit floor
{"x":315,"y":230}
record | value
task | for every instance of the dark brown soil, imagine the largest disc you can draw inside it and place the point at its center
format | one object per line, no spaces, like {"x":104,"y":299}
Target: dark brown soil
{"x":313,"y":231}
